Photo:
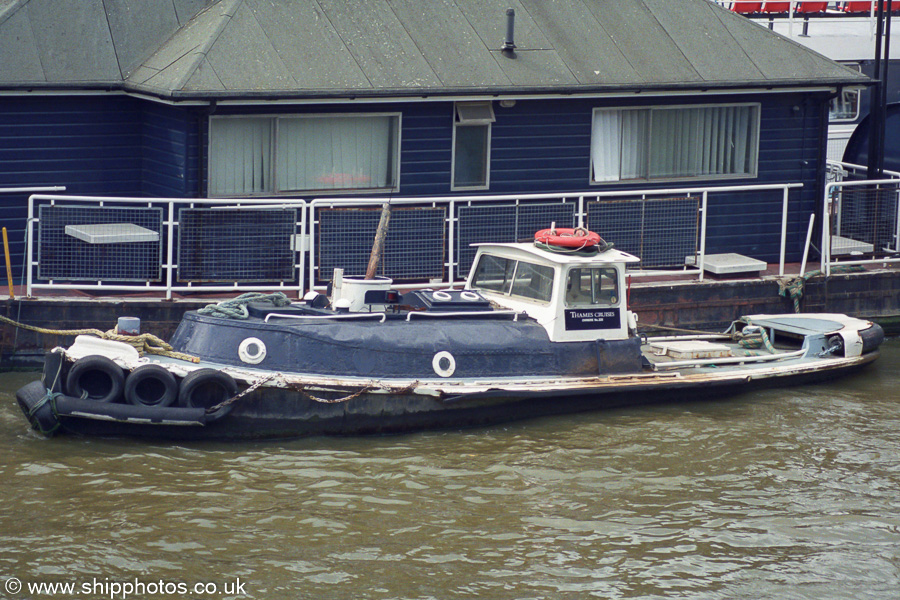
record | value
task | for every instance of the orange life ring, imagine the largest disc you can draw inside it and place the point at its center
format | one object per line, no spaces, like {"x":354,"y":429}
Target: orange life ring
{"x":568,"y":238}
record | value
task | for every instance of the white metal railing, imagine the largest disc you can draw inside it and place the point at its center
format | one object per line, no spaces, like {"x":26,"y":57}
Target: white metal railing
{"x":33,"y":189}
{"x":790,"y":13}
{"x":802,"y":8}
{"x":837,"y":171}
{"x":170,"y":224}
{"x":580,"y":214}
{"x":307,"y":230}
{"x":833,"y":206}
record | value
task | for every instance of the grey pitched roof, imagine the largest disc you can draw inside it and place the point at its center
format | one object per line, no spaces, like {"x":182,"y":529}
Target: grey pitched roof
{"x":355,"y":48}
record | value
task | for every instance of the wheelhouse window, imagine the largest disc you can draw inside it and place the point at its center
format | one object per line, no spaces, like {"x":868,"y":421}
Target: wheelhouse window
{"x":514,"y":278}
{"x":494,"y":273}
{"x":592,"y":287}
{"x":845,"y":106}
{"x":471,"y":145}
{"x":644,"y":144}
{"x":308,"y":153}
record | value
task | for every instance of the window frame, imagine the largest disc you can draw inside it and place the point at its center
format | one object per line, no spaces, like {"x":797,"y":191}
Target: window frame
{"x":461,"y":120}
{"x":510,"y":283}
{"x":611,"y":272}
{"x":648,"y":141}
{"x":857,"y":91}
{"x":275,"y":118}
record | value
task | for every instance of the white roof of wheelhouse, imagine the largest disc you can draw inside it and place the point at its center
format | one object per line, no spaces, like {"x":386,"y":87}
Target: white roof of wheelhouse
{"x":525,"y":250}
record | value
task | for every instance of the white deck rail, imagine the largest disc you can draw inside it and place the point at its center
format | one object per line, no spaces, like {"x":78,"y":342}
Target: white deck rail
{"x":307,"y":229}
{"x":839,"y":199}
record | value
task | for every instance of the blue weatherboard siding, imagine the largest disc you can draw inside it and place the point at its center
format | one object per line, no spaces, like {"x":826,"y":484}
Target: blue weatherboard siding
{"x":117,"y":145}
{"x":94,"y":145}
{"x":89,"y":144}
{"x":170,"y":152}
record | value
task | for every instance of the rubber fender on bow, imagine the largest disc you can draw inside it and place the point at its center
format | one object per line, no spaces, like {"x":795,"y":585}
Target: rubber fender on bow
{"x":37,"y":403}
{"x":151,"y":385}
{"x":205,"y":388}
{"x":95,"y":378}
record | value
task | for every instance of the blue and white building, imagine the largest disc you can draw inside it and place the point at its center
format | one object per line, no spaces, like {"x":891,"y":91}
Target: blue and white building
{"x":304,"y":99}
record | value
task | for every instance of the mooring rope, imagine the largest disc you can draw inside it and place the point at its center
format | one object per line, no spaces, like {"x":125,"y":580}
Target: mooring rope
{"x":300,"y":388}
{"x":143,"y":343}
{"x":793,"y":286}
{"x":753,"y":339}
{"x":750,"y":340}
{"x":236,"y":397}
{"x":236,"y":308}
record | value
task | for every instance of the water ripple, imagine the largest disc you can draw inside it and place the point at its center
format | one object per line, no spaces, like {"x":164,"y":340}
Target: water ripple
{"x":780,"y":494}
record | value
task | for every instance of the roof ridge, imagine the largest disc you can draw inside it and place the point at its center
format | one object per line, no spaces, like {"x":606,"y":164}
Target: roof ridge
{"x":11,"y":9}
{"x":229,"y":9}
{"x":112,"y":40}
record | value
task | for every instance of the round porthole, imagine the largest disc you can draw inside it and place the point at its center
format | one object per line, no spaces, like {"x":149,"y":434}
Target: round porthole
{"x":444,"y":364}
{"x":442,"y":296}
{"x":470,"y":296}
{"x":252,"y":351}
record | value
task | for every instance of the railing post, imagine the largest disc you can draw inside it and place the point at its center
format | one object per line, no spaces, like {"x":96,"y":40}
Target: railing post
{"x":897,"y":223}
{"x":304,"y":248}
{"x":702,"y":257}
{"x":784,"y":219}
{"x":312,"y":244}
{"x":170,"y":249}
{"x":29,"y":250}
{"x":581,"y":211}
{"x":451,"y":241}
{"x":791,"y":9}
{"x":826,"y":231}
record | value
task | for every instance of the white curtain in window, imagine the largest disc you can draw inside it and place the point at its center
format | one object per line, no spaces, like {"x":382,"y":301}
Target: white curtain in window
{"x":606,"y":141}
{"x":634,"y":144}
{"x":239,"y":156}
{"x":619,"y":144}
{"x":326,"y":153}
{"x":712,"y":140}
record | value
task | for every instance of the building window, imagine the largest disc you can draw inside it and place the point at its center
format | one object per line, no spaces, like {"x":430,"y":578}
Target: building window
{"x":319,"y":153}
{"x":472,"y":145}
{"x":674,"y":143}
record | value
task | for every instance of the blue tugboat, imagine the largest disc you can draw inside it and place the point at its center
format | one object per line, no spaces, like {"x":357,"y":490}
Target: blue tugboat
{"x":539,"y":329}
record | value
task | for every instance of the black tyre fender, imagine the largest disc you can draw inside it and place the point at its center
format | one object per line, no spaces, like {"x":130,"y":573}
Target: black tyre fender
{"x":205,"y":388}
{"x":151,"y":385}
{"x":37,"y":402}
{"x":95,"y":378}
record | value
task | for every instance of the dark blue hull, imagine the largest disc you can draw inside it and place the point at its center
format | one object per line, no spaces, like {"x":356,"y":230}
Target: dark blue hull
{"x":273,"y":413}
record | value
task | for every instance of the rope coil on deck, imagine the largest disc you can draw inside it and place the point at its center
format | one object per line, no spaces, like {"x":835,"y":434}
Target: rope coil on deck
{"x":236,"y":308}
{"x":755,"y":338}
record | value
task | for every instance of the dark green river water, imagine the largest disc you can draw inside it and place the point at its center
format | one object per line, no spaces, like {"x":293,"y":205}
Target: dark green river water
{"x":791,"y":494}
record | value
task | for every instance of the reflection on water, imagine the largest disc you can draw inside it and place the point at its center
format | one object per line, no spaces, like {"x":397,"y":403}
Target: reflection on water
{"x":779,"y":494}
